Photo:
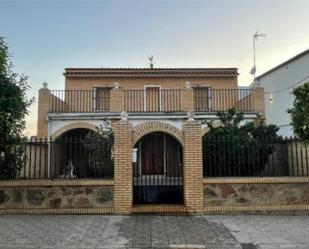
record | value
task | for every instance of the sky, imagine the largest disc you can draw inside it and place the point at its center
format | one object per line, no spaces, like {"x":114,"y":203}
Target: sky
{"x":44,"y":37}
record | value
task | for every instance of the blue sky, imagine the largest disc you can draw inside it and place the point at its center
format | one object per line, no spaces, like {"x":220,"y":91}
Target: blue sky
{"x":45,"y":37}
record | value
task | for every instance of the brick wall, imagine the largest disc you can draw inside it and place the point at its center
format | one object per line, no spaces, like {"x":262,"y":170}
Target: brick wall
{"x":193,"y":166}
{"x":139,"y":82}
{"x":43,"y":109}
{"x":123,"y":172}
{"x":258,"y":100}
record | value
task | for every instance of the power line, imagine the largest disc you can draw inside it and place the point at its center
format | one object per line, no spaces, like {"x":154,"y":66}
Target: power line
{"x":287,"y":88}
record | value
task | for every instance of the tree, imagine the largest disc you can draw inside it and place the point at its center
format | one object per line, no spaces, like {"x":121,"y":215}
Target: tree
{"x":300,"y":112}
{"x":99,"y":145}
{"x":13,"y":110}
{"x":238,"y":148}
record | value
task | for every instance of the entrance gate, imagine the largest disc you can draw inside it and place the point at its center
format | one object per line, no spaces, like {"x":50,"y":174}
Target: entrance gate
{"x":158,"y":171}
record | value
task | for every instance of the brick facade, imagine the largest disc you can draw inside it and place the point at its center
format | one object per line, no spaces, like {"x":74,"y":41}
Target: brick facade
{"x":187,"y":132}
{"x":258,"y":100}
{"x":116,"y":100}
{"x":123,"y":172}
{"x":43,"y":109}
{"x":193,"y":166}
{"x":187,"y":99}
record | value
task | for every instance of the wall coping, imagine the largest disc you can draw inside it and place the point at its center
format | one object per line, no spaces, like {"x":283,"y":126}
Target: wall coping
{"x":56,"y":182}
{"x":258,"y":180}
{"x":24,"y":211}
{"x":256,"y":208}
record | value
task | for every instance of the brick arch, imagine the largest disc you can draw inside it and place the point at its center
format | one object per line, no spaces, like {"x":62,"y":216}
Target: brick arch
{"x":205,"y":130}
{"x":76,"y":125}
{"x":148,"y":127}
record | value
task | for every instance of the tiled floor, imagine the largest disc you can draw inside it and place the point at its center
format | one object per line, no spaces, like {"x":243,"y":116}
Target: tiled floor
{"x":154,"y":231}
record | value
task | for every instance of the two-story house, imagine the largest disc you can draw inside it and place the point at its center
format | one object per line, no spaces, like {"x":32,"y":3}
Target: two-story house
{"x":155,"y":115}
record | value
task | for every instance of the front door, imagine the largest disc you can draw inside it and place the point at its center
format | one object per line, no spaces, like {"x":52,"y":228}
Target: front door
{"x":158,"y":172}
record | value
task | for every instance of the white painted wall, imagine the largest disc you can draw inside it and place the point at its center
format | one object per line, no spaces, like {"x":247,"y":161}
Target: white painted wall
{"x":281,"y":78}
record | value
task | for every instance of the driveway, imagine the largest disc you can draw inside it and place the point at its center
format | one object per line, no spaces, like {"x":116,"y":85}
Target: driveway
{"x":154,"y":231}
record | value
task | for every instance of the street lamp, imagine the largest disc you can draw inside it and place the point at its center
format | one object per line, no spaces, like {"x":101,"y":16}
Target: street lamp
{"x":255,"y":38}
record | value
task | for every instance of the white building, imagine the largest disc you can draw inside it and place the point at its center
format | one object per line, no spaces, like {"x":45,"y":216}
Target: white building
{"x":278,"y":85}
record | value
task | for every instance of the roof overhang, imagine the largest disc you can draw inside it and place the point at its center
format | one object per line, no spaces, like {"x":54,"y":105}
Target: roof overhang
{"x":148,"y":72}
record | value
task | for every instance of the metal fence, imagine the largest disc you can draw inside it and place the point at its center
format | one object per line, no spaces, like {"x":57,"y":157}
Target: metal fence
{"x":66,"y":158}
{"x":152,"y":100}
{"x":231,"y":156}
{"x":96,"y":100}
{"x":207,"y":99}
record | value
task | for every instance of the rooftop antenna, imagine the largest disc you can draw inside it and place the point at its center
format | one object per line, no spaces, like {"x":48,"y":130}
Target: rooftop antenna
{"x":150,"y":58}
{"x":255,"y":38}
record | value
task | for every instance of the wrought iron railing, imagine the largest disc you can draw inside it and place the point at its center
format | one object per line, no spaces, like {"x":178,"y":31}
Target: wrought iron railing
{"x":207,"y":99}
{"x":64,"y":158}
{"x":70,"y":158}
{"x":80,"y":100}
{"x":235,"y":156}
{"x":150,"y":100}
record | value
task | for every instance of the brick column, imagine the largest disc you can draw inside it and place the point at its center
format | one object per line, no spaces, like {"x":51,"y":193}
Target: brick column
{"x":193,"y":166}
{"x":187,"y":98}
{"x":123,"y":171}
{"x":43,"y":109}
{"x":258,"y":100}
{"x":117,"y":99}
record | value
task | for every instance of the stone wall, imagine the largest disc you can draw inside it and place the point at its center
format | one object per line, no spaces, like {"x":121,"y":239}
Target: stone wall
{"x":53,"y":196}
{"x":257,"y":193}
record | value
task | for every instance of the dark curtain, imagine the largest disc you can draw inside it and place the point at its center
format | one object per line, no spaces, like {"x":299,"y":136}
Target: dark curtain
{"x":153,"y":154}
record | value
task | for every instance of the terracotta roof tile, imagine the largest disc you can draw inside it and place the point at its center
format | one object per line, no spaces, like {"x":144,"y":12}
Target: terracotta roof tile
{"x":150,"y":72}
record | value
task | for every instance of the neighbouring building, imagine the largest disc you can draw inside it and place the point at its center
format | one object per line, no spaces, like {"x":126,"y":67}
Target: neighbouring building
{"x":155,"y":115}
{"x":278,"y":84}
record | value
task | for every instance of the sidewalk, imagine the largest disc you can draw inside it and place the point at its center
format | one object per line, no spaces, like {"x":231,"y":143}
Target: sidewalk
{"x":154,"y":231}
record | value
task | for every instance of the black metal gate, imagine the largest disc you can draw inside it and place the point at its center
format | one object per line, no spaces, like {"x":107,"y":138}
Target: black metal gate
{"x":158,"y":170}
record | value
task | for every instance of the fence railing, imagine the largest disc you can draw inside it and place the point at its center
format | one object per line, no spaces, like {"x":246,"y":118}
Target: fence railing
{"x":150,"y":100}
{"x":79,"y":100}
{"x":228,"y":156}
{"x":207,"y":99}
{"x":67,"y":158}
{"x":223,"y":156}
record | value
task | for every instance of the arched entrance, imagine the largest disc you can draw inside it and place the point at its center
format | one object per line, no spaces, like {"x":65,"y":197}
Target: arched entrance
{"x":158,"y":170}
{"x":69,"y":157}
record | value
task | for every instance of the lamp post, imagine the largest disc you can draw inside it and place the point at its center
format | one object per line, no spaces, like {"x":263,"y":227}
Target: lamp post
{"x":255,"y":38}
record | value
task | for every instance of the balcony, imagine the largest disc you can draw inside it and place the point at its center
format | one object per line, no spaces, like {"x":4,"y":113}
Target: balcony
{"x":200,"y":99}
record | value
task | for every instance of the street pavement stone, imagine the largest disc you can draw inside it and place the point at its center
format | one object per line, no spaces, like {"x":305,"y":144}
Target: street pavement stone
{"x":154,"y":231}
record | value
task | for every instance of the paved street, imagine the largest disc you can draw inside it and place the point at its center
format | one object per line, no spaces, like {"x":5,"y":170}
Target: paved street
{"x":155,"y":231}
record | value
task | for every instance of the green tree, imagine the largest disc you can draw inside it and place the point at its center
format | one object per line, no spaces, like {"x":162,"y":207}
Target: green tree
{"x":99,"y":145}
{"x":237,"y":148}
{"x":300,"y":112}
{"x":13,"y":110}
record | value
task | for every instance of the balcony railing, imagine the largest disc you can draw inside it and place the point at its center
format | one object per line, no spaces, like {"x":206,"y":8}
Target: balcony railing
{"x":207,"y":99}
{"x":150,"y":100}
{"x":153,"y":100}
